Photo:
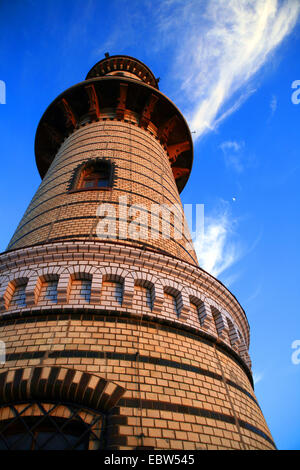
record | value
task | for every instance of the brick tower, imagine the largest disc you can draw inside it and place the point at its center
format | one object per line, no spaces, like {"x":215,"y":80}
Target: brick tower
{"x":115,"y":338}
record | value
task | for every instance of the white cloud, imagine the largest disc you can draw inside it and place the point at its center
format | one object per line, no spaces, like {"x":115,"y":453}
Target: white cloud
{"x":231,"y":145}
{"x":220,"y":45}
{"x":217,"y":250}
{"x":257,"y":377}
{"x":233,"y":155}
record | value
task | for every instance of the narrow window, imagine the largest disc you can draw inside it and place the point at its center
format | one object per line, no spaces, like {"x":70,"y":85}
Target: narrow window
{"x":17,"y":295}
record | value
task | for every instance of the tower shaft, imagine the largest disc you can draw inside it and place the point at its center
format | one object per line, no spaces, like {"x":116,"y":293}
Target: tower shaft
{"x":143,"y":196}
{"x":115,"y":337}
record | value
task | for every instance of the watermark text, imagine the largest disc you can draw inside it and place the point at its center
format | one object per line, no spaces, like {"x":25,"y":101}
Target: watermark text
{"x":2,"y":92}
{"x":156,"y":221}
{"x":296,"y":94}
{"x":296,"y":354}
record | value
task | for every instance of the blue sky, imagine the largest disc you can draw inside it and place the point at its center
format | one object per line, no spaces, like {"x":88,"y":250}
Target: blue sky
{"x":229,"y":66}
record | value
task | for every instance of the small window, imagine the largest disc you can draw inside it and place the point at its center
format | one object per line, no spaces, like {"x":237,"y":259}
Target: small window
{"x":95,"y":174}
{"x":94,"y":177}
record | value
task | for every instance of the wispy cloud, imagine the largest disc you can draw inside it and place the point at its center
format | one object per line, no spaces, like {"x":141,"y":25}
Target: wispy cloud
{"x":231,"y":145}
{"x":230,"y":279}
{"x":218,"y":249}
{"x":257,"y":377}
{"x":273,"y":105}
{"x":233,"y":154}
{"x":220,"y":246}
{"x":220,"y":45}
{"x":236,"y":156}
{"x":254,"y":294}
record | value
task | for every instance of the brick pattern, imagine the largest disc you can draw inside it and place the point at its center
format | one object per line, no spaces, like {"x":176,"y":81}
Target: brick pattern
{"x":60,"y":383}
{"x":120,"y":295}
{"x":80,"y":291}
{"x":116,"y":288}
{"x":142,"y":174}
{"x":112,"y":293}
{"x":170,"y":306}
{"x":19,"y":297}
{"x":48,"y":293}
{"x":143,"y":299}
{"x":170,"y":368}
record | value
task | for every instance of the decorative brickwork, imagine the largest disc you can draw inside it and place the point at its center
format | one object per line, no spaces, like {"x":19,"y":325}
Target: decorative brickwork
{"x":58,"y":383}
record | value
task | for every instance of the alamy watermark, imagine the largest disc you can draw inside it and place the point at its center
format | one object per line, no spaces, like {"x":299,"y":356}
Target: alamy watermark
{"x":2,"y":92}
{"x":296,"y":354}
{"x":159,"y":221}
{"x":296,"y":94}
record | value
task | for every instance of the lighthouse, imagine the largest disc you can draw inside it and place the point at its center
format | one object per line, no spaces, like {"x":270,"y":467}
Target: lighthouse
{"x":115,"y":337}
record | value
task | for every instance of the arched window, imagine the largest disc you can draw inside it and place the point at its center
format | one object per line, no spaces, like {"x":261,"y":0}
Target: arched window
{"x":57,"y":408}
{"x":50,"y":426}
{"x":93,"y":175}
